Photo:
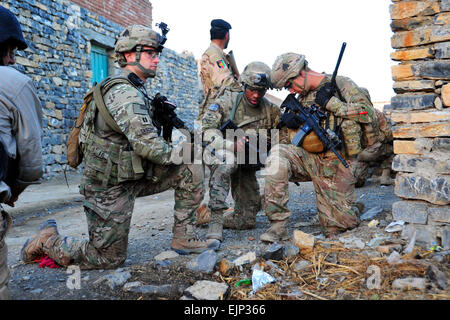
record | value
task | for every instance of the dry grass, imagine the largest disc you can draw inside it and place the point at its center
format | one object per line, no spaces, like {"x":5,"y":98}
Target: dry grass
{"x":336,"y":272}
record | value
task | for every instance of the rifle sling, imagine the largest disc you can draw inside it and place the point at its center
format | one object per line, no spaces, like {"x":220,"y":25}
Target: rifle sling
{"x":100,"y":103}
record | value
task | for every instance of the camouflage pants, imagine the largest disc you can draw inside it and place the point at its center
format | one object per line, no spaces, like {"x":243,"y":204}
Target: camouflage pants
{"x":333,"y":183}
{"x":109,"y":210}
{"x":244,"y":190}
{"x":4,"y":270}
{"x":383,"y":160}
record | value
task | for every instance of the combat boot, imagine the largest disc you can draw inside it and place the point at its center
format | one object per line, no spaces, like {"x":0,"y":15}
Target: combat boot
{"x":185,"y":241}
{"x":32,"y":249}
{"x":238,"y":221}
{"x":204,"y":214}
{"x":276,"y":232}
{"x":215,"y":230}
{"x":385,"y":179}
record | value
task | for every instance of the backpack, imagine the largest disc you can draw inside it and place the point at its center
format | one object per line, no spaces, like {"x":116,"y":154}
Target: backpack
{"x":74,"y":151}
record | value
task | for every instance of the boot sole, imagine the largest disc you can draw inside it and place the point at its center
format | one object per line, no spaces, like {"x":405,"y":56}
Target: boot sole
{"x":215,"y":246}
{"x":22,"y":252}
{"x":272,"y":240}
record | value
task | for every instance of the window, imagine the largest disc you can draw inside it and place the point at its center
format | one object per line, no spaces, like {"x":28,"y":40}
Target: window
{"x":99,"y":63}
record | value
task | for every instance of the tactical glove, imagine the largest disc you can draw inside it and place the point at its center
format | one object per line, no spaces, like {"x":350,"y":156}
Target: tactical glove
{"x":324,"y":95}
{"x":291,"y":120}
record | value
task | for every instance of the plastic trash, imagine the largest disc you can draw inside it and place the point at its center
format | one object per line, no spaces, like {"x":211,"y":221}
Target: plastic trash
{"x":373,"y":223}
{"x":243,"y":282}
{"x":395,"y":226}
{"x":260,"y":279}
{"x":435,"y":247}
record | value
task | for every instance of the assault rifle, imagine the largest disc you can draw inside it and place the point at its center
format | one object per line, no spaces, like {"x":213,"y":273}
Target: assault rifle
{"x":165,"y":119}
{"x":333,"y":77}
{"x":310,"y":119}
{"x":230,"y":125}
{"x":232,"y":61}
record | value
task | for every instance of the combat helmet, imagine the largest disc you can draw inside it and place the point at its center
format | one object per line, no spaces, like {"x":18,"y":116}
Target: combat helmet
{"x":287,"y":66}
{"x":257,"y":75}
{"x":10,"y":29}
{"x":134,"y":38}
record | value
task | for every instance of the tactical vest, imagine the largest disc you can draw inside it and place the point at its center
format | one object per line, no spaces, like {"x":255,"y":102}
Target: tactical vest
{"x":261,"y":121}
{"x":109,"y":161}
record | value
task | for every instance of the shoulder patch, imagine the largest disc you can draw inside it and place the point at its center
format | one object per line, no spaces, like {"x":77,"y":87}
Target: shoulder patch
{"x":221,"y":64}
{"x":140,"y":109}
{"x":214,"y":107}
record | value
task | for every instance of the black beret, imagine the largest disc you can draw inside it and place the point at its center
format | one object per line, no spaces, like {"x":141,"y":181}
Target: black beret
{"x":220,"y":24}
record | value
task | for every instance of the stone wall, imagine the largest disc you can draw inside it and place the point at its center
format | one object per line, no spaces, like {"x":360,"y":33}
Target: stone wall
{"x":59,"y":34}
{"x":420,"y":110}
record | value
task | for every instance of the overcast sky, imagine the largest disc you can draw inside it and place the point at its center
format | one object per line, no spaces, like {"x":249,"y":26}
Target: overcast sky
{"x":263,"y":29}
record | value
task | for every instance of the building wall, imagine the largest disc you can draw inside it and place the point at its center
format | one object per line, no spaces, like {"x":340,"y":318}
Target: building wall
{"x":137,"y":11}
{"x":59,"y":34}
{"x":420,"y":110}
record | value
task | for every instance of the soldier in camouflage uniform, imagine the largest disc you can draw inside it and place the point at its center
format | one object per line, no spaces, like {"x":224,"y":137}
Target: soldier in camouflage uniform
{"x":251,"y":112}
{"x":216,"y":76}
{"x":123,"y":163}
{"x":333,"y":182}
{"x":379,"y":154}
{"x":215,"y":71}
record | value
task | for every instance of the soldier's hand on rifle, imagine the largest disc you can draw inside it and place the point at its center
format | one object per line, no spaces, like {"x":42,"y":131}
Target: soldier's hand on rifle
{"x":324,"y":95}
{"x":158,"y":101}
{"x":291,"y":120}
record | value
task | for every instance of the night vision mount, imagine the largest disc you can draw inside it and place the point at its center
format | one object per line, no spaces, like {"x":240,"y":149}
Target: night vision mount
{"x":164,"y":30}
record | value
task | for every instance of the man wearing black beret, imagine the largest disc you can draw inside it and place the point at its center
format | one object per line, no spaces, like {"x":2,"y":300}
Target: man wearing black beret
{"x":215,"y":70}
{"x":216,"y":75}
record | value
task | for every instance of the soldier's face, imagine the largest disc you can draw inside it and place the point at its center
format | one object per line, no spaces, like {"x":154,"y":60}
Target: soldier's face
{"x":149,"y":58}
{"x":10,"y":57}
{"x":298,"y":84}
{"x":254,"y":95}
{"x":227,"y":38}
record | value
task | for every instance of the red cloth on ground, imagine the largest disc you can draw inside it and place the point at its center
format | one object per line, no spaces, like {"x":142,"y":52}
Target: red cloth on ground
{"x":46,"y":261}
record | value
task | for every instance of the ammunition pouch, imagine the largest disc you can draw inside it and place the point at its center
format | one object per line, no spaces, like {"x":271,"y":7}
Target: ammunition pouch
{"x":112,"y":163}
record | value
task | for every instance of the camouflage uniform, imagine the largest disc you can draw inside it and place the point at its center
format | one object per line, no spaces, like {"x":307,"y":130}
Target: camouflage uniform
{"x":243,"y":182}
{"x":215,"y":74}
{"x":333,"y":183}
{"x":379,"y":154}
{"x":112,"y":180}
{"x":121,"y":164}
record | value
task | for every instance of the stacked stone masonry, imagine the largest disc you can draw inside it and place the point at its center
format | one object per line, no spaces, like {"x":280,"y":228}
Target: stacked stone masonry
{"x":59,"y":34}
{"x":421,"y":116}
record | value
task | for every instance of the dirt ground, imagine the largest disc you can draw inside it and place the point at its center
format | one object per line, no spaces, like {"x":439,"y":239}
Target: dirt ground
{"x":151,"y":232}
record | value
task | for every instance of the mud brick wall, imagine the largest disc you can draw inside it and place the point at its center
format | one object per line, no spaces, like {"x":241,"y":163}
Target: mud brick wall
{"x":60,"y":34}
{"x":421,"y":113}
